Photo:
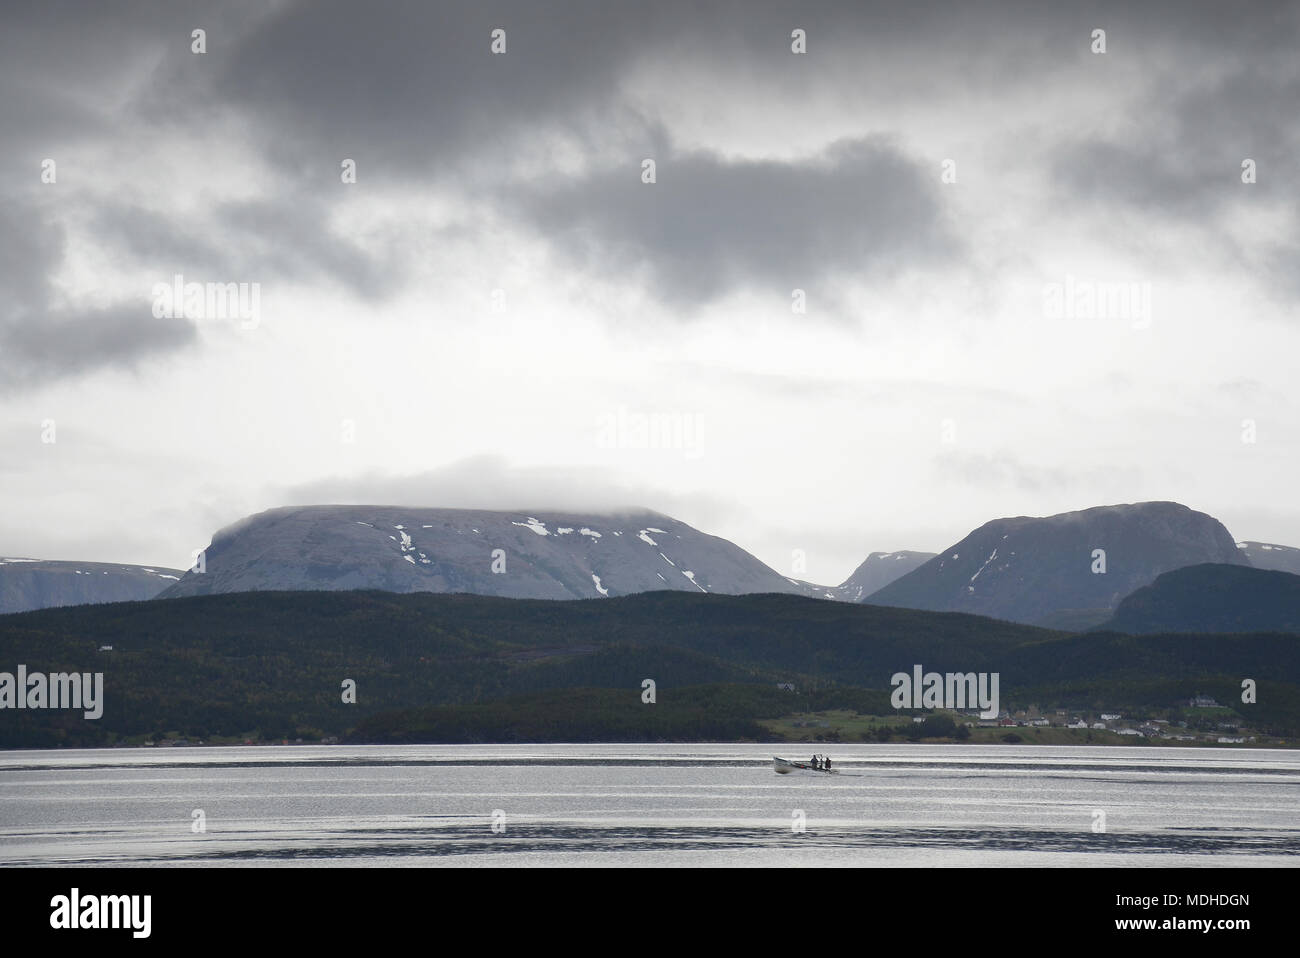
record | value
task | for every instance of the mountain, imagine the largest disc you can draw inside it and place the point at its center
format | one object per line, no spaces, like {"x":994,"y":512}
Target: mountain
{"x":38,"y":584}
{"x":1213,"y":598}
{"x":542,"y":554}
{"x":879,"y":569}
{"x":1041,"y":570}
{"x":1264,"y":555}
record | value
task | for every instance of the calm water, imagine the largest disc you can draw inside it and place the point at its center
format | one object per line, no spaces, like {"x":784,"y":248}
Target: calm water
{"x":649,"y":805}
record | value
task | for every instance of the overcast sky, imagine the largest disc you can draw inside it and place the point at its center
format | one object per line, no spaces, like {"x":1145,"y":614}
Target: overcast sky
{"x":489,"y":313}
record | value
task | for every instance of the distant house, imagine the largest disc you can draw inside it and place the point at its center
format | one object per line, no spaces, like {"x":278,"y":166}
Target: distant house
{"x":1100,"y":725}
{"x":106,"y":648}
{"x":1231,"y":739}
{"x":1077,"y":723}
{"x":1111,"y":716}
{"x":1203,"y":702}
{"x":1130,"y":731}
{"x":785,"y":686}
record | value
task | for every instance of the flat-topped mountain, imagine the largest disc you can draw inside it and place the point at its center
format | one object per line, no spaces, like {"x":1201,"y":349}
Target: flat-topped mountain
{"x":27,"y":584}
{"x":1074,"y":566}
{"x":526,"y":555}
{"x":879,"y":569}
{"x":1264,"y":555}
{"x":1213,"y":598}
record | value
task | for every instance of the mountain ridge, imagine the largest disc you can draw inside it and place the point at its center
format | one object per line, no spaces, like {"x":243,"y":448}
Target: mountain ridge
{"x":547,"y":554}
{"x":1079,"y":564}
{"x":28,"y":584}
{"x":1212,"y":598}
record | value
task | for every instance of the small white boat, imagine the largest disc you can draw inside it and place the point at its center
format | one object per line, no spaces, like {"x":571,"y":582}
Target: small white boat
{"x":784,"y":767}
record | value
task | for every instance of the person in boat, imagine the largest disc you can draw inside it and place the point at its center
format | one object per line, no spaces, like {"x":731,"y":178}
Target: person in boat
{"x":813,"y":763}
{"x":826,"y":763}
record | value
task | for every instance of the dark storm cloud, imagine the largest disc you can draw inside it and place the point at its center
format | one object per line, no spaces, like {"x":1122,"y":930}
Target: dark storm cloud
{"x":411,"y":91}
{"x":1186,"y":161}
{"x":41,"y":348}
{"x":64,"y":70}
{"x":1222,"y":99}
{"x":170,"y":243}
{"x":415,"y":89}
{"x":30,"y":246}
{"x":407,"y":89}
{"x":708,"y":225}
{"x":284,"y":237}
{"x":291,"y":237}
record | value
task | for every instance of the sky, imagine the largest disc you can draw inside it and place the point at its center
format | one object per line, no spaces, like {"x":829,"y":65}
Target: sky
{"x":952,"y":262}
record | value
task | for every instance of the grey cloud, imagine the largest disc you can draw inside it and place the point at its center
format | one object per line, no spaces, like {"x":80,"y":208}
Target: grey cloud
{"x":709,"y":224}
{"x":172,"y":245}
{"x":280,"y":237}
{"x":479,"y":482}
{"x":36,"y":349}
{"x":43,"y":339}
{"x":1184,"y":167}
{"x":30,"y":245}
{"x":291,"y":237}
{"x":1002,"y":470}
{"x":72,"y":71}
{"x":415,"y":89}
{"x":1187,"y":163}
{"x":492,"y":482}
{"x":413,"y":92}
{"x":409,"y":89}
